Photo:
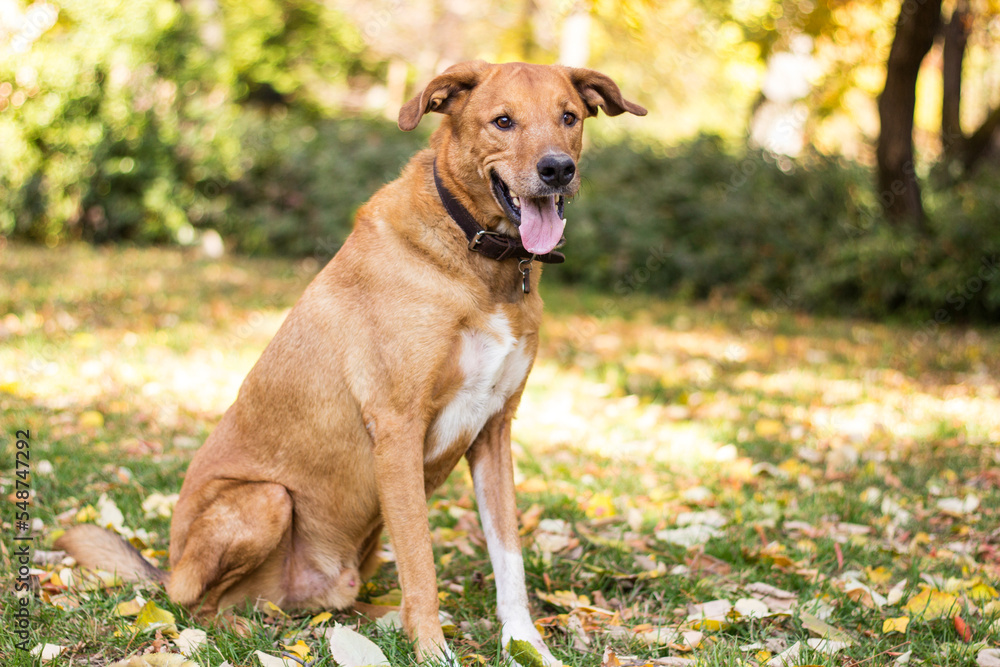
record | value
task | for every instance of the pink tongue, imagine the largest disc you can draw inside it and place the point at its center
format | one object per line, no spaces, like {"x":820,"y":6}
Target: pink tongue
{"x":541,"y":226}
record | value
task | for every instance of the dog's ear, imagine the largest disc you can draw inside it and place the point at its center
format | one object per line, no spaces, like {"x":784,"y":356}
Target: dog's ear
{"x":440,"y":93}
{"x":598,"y":90}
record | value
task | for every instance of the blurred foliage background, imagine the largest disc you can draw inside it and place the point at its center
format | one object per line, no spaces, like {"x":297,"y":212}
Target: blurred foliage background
{"x":269,"y":122}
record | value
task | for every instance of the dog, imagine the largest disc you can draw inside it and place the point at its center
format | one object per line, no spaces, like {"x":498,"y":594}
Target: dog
{"x":408,"y":351}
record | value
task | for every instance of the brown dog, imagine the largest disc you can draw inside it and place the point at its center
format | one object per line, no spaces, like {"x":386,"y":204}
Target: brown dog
{"x":407,"y":352}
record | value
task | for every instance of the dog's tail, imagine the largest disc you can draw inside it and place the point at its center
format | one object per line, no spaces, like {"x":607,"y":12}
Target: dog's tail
{"x":96,"y":548}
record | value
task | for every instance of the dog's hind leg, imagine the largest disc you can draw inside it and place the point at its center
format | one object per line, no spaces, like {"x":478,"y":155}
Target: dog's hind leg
{"x":234,"y":535}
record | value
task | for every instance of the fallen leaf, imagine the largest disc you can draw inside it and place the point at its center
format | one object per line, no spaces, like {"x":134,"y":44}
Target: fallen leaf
{"x":958,"y":506}
{"x":320,"y":618}
{"x":599,"y":505}
{"x":566,"y":599}
{"x":350,"y":649}
{"x":962,"y":628}
{"x":786,"y":658}
{"x":931,"y":603}
{"x":988,"y":657}
{"x":711,"y":517}
{"x":108,"y":515}
{"x":897,"y":624}
{"x":823,"y":629}
{"x":895,"y":595}
{"x":524,"y":654}
{"x":47,"y":652}
{"x":189,"y":640}
{"x":768,"y":428}
{"x":158,"y":505}
{"x":299,"y":648}
{"x":393,"y":598}
{"x":156,"y":660}
{"x":91,"y":419}
{"x":610,"y":659}
{"x":151,"y":618}
{"x":657,"y":636}
{"x":864,"y":594}
{"x":274,"y":661}
{"x":130,"y":607}
{"x":392,"y":620}
{"x":271,"y":610}
{"x":751,"y":608}
{"x":775,"y":598}
{"x":713,"y":615}
{"x":826,"y":646}
{"x":688,"y":536}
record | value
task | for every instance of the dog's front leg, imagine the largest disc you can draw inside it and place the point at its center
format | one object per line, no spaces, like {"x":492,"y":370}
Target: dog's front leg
{"x":493,"y":478}
{"x":399,"y":470}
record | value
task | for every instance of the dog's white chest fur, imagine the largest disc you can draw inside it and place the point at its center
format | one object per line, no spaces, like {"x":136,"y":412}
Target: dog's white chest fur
{"x":493,"y":364}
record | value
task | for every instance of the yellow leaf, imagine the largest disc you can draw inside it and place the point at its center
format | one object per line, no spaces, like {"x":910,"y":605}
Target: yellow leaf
{"x":600,"y":505}
{"x":393,"y":598}
{"x":86,"y":514}
{"x":895,"y":624}
{"x":272,"y":609}
{"x":91,"y":419}
{"x":299,"y":648}
{"x":152,"y":617}
{"x":982,"y":592}
{"x":12,"y":388}
{"x":129,"y":608}
{"x":565,"y":599}
{"x":930,"y":603}
{"x":767,"y":428}
{"x":878,"y":576}
{"x":320,"y":618}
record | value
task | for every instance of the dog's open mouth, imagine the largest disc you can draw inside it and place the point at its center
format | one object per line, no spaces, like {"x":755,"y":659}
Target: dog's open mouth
{"x":539,"y":219}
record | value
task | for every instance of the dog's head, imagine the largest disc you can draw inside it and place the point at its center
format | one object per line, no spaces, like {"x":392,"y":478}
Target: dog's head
{"x":512,"y":136}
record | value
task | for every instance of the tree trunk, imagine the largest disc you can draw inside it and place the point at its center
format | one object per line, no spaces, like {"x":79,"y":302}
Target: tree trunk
{"x":899,"y":190}
{"x":960,"y":152}
{"x":977,"y":145}
{"x":956,"y":36}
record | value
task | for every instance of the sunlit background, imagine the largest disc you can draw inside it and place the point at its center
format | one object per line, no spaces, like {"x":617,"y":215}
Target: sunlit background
{"x":259,"y":126}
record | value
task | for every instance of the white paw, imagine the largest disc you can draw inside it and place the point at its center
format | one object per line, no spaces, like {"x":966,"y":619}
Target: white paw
{"x":526,"y":632}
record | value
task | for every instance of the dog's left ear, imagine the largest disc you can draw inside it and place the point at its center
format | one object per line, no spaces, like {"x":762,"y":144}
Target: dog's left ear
{"x":598,"y":90}
{"x":441,"y":92}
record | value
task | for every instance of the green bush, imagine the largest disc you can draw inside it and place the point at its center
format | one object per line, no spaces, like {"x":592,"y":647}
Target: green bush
{"x":122,"y":120}
{"x":697,"y":221}
{"x":306,"y":182}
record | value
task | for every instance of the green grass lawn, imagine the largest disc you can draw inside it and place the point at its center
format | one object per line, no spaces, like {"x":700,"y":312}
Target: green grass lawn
{"x":825,"y":477}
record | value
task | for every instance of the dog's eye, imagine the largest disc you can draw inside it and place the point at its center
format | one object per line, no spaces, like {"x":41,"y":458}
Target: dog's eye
{"x":503,"y":122}
{"x":569,"y":119}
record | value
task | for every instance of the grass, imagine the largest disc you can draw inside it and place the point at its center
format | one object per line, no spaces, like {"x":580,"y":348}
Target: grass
{"x":833,"y":457}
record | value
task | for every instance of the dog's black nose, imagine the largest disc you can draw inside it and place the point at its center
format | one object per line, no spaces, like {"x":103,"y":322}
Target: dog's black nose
{"x":556,"y":170}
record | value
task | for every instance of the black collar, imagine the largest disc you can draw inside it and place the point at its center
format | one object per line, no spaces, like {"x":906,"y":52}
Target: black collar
{"x":491,"y":244}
